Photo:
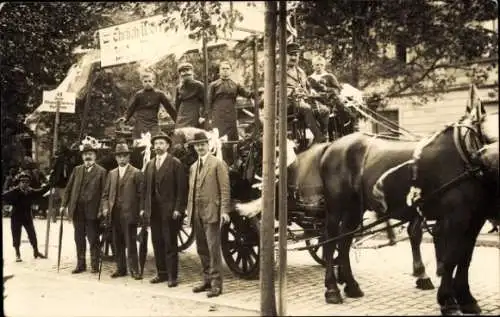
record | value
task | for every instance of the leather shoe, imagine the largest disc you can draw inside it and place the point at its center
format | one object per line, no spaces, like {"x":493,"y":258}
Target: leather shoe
{"x":201,"y":288}
{"x":118,"y":274}
{"x":136,"y":276}
{"x":39,"y":255}
{"x":172,"y":283}
{"x":18,"y":259}
{"x":214,"y":292}
{"x":94,"y":270}
{"x":158,"y":279}
{"x":78,"y":269}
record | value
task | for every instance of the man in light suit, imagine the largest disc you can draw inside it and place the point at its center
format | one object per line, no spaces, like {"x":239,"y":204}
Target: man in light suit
{"x":164,"y":205}
{"x":208,"y":205}
{"x":82,"y":198}
{"x":123,"y":197}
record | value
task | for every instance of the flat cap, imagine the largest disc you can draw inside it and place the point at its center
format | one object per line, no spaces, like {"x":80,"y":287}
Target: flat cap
{"x":184,"y":66}
{"x":292,"y":48}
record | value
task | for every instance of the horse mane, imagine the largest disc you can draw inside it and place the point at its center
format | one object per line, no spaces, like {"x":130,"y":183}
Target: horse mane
{"x":386,"y":137}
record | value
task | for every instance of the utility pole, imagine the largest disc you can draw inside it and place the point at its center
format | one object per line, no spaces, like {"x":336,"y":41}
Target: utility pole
{"x":283,"y":193}
{"x":255,"y":86}
{"x":267,"y":293}
{"x":205,"y":62}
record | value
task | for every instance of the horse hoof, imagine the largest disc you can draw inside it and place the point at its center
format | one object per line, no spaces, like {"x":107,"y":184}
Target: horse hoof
{"x":451,"y":308}
{"x":424,"y":284}
{"x":353,"y":292}
{"x":472,"y":308}
{"x":333,"y":297}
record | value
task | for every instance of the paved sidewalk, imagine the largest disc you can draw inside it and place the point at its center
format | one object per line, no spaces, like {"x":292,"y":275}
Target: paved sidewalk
{"x":383,"y":274}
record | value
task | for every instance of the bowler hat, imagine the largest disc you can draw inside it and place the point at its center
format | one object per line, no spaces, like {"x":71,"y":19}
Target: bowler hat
{"x":199,"y":137}
{"x":184,"y":66}
{"x":163,"y":136}
{"x":88,"y":148}
{"x":292,"y":48}
{"x":24,"y":175}
{"x":122,"y":148}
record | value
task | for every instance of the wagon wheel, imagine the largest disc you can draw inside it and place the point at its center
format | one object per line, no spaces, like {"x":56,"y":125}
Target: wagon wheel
{"x":316,"y":252}
{"x":185,"y":237}
{"x":240,"y":246}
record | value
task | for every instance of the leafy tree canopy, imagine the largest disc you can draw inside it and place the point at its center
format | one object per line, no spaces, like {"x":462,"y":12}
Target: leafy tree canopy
{"x":405,"y":44}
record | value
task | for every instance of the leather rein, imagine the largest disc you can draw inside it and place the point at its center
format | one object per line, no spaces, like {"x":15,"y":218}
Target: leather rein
{"x":474,"y":168}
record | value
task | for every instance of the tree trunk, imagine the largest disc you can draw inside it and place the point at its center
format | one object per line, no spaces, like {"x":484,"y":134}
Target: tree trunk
{"x":267,"y":293}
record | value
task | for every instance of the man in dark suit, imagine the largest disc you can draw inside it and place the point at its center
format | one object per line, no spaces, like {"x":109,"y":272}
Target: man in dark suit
{"x":164,"y":206}
{"x":20,"y":198}
{"x":124,"y":199}
{"x":81,"y":201}
{"x":208,"y":205}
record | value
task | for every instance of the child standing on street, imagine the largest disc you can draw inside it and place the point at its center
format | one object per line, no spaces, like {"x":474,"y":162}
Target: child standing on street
{"x":21,"y":198}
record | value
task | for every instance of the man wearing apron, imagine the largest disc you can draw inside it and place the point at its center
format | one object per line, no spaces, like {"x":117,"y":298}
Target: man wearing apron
{"x":221,"y":110}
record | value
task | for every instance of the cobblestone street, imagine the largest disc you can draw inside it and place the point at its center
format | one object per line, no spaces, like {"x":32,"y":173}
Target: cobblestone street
{"x":384,"y":275}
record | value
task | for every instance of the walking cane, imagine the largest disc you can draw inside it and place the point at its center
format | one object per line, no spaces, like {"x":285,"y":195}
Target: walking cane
{"x":105,"y":237}
{"x":59,"y":248}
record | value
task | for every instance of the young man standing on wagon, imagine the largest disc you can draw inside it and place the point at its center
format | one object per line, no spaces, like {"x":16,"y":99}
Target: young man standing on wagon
{"x":189,"y":98}
{"x":144,"y":106}
{"x":208,"y":206}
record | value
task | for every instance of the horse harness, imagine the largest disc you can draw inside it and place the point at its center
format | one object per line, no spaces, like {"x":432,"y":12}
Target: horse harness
{"x":414,"y":199}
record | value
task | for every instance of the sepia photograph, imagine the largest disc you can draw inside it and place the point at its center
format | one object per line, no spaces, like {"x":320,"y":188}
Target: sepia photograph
{"x":250,"y":158}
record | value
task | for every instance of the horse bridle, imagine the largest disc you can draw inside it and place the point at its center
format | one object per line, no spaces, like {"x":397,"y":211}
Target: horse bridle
{"x":474,"y":166}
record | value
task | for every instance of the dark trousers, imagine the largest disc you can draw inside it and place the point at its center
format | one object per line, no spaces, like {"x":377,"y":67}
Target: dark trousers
{"x":208,"y":243}
{"x":124,"y":237}
{"x":88,"y":228}
{"x":229,"y":150}
{"x":16,"y":224}
{"x":306,"y":111}
{"x":164,"y":236}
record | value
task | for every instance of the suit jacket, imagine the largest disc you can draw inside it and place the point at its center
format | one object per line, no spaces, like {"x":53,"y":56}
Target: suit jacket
{"x":212,"y":190}
{"x":94,"y":184}
{"x":170,"y":182}
{"x":131,"y":189}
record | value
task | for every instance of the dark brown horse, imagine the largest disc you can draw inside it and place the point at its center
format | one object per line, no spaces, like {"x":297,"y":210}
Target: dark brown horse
{"x":344,"y":174}
{"x":363,"y":172}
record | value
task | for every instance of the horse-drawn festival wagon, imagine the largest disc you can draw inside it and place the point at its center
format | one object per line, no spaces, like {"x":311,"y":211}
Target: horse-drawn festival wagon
{"x":330,"y":185}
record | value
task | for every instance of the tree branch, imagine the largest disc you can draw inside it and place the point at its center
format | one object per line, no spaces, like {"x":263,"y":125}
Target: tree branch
{"x":415,"y":81}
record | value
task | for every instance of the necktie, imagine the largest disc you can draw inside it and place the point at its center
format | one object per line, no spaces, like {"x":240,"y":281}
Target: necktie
{"x":200,"y":166}
{"x":158,"y":163}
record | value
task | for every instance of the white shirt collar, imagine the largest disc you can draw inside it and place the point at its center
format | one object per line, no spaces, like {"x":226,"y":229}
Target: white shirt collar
{"x":204,"y":158}
{"x":122,"y":169}
{"x":161,"y":157}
